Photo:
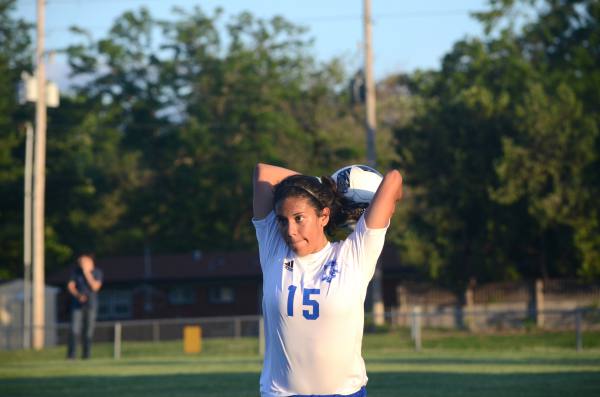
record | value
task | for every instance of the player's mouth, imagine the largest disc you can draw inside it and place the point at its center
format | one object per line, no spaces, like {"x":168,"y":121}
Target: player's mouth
{"x":296,"y":243}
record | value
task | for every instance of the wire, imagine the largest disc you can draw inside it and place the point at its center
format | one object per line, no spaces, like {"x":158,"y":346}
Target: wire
{"x":82,"y":2}
{"x":402,"y":15}
{"x":324,"y":18}
{"x":331,"y":18}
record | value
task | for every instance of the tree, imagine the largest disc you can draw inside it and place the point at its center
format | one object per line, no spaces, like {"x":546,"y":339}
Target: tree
{"x":502,"y":154}
{"x":261,"y":97}
{"x":557,"y":150}
{"x":165,"y":133}
{"x":15,"y":58}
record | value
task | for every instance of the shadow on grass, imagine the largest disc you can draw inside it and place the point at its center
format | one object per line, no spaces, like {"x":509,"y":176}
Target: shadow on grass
{"x":558,"y":384}
{"x":188,"y":385}
{"x":381,"y":384}
{"x":189,"y":361}
{"x":562,"y":362}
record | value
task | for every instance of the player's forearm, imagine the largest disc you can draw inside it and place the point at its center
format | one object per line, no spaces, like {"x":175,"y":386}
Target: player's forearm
{"x":384,"y":203}
{"x":265,"y":177}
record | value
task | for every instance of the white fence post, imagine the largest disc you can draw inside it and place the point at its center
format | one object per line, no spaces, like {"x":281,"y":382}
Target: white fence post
{"x":155,"y":331}
{"x":117,"y":344}
{"x":237,"y":324}
{"x":579,"y":342}
{"x":416,"y":327}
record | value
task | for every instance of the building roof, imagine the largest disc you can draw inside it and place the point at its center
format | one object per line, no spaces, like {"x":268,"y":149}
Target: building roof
{"x":193,"y":266}
{"x":16,"y":286}
{"x":178,"y":267}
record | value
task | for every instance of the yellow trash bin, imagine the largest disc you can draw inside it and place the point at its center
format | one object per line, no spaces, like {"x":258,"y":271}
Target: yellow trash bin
{"x":192,"y":339}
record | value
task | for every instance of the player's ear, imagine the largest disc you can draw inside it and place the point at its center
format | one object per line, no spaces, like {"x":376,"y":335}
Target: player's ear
{"x":324,"y":218}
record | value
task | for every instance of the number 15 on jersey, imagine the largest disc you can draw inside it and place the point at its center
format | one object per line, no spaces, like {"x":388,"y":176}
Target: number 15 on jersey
{"x":312,"y":305}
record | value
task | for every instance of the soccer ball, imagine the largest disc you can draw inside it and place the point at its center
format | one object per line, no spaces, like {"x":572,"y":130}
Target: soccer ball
{"x":357,"y":182}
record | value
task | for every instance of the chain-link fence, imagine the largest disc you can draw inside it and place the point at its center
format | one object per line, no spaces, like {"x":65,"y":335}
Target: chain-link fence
{"x":415,"y":319}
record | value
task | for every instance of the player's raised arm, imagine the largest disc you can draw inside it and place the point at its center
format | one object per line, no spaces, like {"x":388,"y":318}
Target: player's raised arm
{"x":383,"y":205}
{"x":265,"y":178}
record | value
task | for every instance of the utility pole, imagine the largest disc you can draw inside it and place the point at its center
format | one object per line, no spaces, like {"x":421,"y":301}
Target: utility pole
{"x":371,"y":126}
{"x":27,"y":238}
{"x":39,"y":186}
{"x":369,"y":86}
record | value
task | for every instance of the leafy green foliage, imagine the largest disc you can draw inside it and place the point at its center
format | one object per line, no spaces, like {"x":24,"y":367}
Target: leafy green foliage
{"x":154,"y":147}
{"x":503,"y":157}
{"x":15,"y":57}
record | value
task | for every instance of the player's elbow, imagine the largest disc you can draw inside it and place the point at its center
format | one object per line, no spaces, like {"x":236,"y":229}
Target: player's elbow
{"x":393,"y":181}
{"x":259,"y":171}
{"x":394,"y":176}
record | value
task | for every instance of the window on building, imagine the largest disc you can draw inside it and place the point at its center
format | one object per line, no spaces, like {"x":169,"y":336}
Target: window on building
{"x":182,"y":295}
{"x":114,"y":304}
{"x":221,"y":294}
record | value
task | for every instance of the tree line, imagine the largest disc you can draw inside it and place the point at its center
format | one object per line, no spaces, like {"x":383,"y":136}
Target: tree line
{"x":153,"y":146}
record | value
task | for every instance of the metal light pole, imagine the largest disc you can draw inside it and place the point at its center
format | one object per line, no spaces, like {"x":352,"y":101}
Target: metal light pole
{"x":39,"y":186}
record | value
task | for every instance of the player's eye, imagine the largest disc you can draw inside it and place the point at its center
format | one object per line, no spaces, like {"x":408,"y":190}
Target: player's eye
{"x":281,"y":221}
{"x":299,"y":218}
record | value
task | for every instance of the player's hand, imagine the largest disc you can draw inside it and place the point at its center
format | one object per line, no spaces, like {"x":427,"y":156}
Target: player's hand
{"x":82,"y":298}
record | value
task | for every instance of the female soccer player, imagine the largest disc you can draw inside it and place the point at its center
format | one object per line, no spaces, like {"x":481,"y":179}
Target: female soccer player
{"x":314,"y":290}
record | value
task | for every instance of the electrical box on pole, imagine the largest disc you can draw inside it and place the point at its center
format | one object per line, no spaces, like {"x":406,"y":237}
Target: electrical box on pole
{"x":27,"y":91}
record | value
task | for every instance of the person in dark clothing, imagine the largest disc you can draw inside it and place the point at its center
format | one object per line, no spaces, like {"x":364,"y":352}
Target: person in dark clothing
{"x":83,"y":286}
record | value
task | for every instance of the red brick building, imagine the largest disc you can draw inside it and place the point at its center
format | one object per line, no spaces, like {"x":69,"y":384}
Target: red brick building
{"x":190,"y":285}
{"x":172,"y":286}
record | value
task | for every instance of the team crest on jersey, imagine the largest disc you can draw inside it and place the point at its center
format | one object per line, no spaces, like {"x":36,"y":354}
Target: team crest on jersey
{"x":330,"y":271}
{"x":289,"y":265}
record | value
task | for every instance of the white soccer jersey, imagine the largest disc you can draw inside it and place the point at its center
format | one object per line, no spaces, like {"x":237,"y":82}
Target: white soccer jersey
{"x":313,"y":309}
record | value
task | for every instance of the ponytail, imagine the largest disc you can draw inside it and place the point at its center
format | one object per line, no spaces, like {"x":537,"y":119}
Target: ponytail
{"x":347,"y":212}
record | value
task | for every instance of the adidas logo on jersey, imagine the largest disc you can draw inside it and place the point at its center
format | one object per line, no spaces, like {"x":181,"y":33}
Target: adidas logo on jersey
{"x":289,"y":265}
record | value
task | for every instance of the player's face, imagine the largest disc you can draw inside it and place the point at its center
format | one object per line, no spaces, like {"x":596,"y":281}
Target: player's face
{"x":301,"y":226}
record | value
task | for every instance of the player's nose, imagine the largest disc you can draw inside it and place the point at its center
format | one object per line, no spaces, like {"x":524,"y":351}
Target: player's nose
{"x":290,"y":229}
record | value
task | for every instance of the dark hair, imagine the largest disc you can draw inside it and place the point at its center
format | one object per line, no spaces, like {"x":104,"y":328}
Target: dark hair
{"x":321,"y":193}
{"x":89,"y":254}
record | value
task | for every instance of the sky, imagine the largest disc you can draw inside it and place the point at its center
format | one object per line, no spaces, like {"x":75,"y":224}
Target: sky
{"x":407,"y":35}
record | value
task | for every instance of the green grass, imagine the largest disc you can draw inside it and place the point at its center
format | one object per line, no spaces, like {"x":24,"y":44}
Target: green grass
{"x":450,"y":364}
{"x":462,"y":340}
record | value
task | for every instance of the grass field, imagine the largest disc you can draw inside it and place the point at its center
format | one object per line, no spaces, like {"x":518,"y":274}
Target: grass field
{"x":450,"y":364}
